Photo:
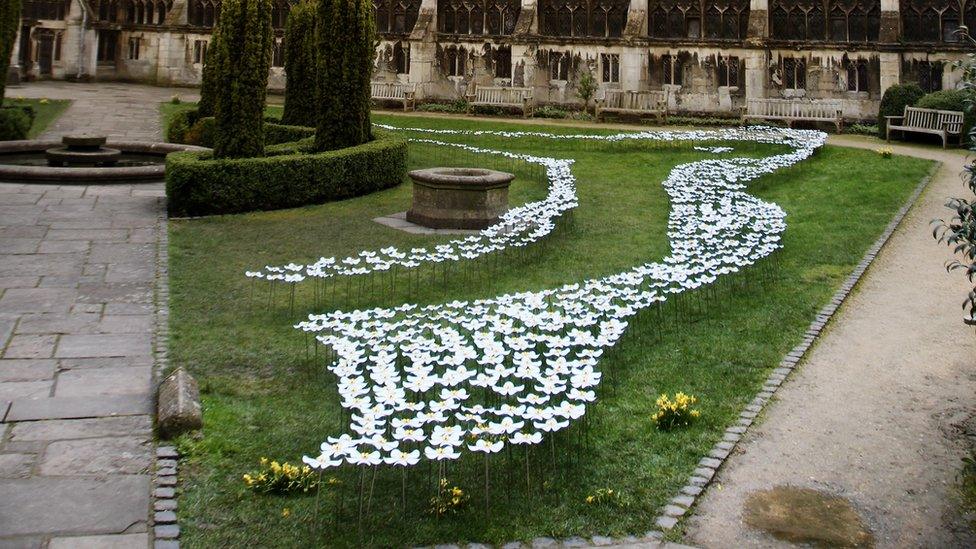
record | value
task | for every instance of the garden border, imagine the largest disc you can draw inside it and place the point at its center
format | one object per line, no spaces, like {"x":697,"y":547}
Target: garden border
{"x":166,"y":530}
{"x":681,"y":504}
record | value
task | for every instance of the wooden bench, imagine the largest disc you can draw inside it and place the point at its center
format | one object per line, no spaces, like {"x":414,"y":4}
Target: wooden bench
{"x":933,"y":121}
{"x":395,"y":91}
{"x":794,"y":110}
{"x":634,"y":102}
{"x":499,"y":96}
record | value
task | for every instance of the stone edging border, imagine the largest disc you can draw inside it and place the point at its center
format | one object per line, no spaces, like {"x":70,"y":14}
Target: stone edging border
{"x":681,"y":504}
{"x":166,"y":532}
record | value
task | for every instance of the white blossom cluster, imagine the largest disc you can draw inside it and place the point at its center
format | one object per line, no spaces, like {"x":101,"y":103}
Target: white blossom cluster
{"x":437,"y":381}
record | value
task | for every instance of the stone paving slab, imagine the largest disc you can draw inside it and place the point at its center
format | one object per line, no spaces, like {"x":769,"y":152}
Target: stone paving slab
{"x":59,"y":505}
{"x":122,"y":541}
{"x":25,"y":409}
{"x":97,"y":456}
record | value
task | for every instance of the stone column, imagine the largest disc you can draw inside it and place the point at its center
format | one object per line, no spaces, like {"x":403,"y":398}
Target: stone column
{"x":890,"y":23}
{"x":13,"y":73}
{"x":524,"y":55}
{"x":890,"y":70}
{"x":423,"y":47}
{"x":759,"y":20}
{"x":633,"y":60}
{"x":757,"y":72}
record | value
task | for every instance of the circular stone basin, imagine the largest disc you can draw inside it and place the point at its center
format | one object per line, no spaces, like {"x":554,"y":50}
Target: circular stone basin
{"x":27,"y":161}
{"x":458,"y":198}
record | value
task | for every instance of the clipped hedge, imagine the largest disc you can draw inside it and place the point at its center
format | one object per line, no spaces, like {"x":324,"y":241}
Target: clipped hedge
{"x":188,"y":128}
{"x":952,"y":100}
{"x":288,"y":176}
{"x":15,"y":122}
{"x":894,"y":101}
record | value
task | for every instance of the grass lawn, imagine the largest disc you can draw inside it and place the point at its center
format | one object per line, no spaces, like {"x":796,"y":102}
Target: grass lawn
{"x":47,"y":111}
{"x":262,"y":397}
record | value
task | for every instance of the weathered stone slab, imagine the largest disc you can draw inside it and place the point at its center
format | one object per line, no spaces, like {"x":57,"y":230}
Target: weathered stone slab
{"x":48,"y":505}
{"x":61,"y":429}
{"x":118,"y":541}
{"x":52,"y":323}
{"x":27,"y":369}
{"x":24,"y":390}
{"x":125,"y":324}
{"x":103,"y":345}
{"x":178,"y":405}
{"x":30,"y":346}
{"x":37,"y":300}
{"x":16,"y":465}
{"x":78,"y":407}
{"x":104,"y":381}
{"x":97,"y":456}
{"x":87,"y":234}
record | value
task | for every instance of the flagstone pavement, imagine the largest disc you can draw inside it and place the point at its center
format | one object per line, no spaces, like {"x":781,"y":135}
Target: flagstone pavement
{"x":77,"y":281}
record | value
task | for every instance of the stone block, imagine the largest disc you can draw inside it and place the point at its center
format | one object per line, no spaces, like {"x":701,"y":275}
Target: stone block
{"x":27,"y":369}
{"x":16,"y":465}
{"x":30,"y":346}
{"x":96,"y":382}
{"x":62,"y":429}
{"x":71,"y":408}
{"x":97,"y":456}
{"x":117,"y":541}
{"x":178,"y":408}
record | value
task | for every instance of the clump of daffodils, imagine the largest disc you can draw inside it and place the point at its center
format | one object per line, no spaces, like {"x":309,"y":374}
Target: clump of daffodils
{"x":885,"y":152}
{"x":605,"y":496}
{"x":448,"y":501}
{"x":281,"y":478}
{"x":676,"y":412}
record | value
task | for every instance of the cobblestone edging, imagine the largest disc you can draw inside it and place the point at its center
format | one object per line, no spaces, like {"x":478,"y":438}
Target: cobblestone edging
{"x":680,"y":505}
{"x":166,"y":532}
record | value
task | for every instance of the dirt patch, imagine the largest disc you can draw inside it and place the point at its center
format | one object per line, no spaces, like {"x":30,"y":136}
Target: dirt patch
{"x":804,"y":515}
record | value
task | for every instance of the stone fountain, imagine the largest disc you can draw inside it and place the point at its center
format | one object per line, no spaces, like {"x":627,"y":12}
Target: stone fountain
{"x":83,"y":150}
{"x":458,"y":198}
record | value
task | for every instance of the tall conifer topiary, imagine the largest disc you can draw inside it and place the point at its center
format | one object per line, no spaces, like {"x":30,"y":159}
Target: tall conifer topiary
{"x":211,"y":76}
{"x":300,"y":65}
{"x":346,"y":49}
{"x":9,"y":20}
{"x":246,"y":40}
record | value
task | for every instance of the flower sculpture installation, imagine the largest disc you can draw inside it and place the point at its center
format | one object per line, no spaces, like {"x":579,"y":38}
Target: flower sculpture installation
{"x":435,"y":382}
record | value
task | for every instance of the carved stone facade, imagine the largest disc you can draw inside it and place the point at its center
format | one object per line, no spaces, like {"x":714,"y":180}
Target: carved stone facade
{"x":710,"y":54}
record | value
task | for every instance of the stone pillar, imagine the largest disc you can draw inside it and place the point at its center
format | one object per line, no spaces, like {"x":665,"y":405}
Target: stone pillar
{"x":890,"y":23}
{"x":636,"y":19}
{"x":13,"y":73}
{"x":890,"y":70}
{"x":423,"y":47}
{"x":633,"y":68}
{"x":524,"y":55}
{"x":757,"y":72}
{"x":527,"y":22}
{"x":759,"y":20}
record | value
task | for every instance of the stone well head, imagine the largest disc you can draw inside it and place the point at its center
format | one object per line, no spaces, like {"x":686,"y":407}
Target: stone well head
{"x":458,"y":198}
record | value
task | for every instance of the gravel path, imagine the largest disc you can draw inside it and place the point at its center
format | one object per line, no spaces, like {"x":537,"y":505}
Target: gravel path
{"x":878,"y":411}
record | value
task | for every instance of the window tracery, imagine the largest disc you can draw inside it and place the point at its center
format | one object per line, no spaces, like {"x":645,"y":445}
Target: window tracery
{"x":831,"y":20}
{"x":45,"y":9}
{"x":147,"y":12}
{"x":935,"y":20}
{"x":715,"y":19}
{"x":492,"y":17}
{"x":396,"y":16}
{"x":203,"y":13}
{"x":592,"y":18}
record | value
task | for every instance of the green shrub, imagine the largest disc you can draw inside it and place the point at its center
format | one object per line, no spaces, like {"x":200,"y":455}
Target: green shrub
{"x":345,"y":42}
{"x":9,"y":23}
{"x":15,"y":122}
{"x":290,"y":175}
{"x":212,"y":74}
{"x":179,"y":124}
{"x":548,"y":111}
{"x":285,"y":133}
{"x":951,"y":100}
{"x":300,"y":63}
{"x":246,"y":39}
{"x":457,"y":106}
{"x":894,"y":101}
{"x":862,"y":129}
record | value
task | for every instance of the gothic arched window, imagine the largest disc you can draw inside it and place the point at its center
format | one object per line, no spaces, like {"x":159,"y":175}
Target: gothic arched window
{"x":595,"y":18}
{"x":935,"y":20}
{"x":203,"y":13}
{"x":829,"y":20}
{"x":714,"y":19}
{"x":396,"y":16}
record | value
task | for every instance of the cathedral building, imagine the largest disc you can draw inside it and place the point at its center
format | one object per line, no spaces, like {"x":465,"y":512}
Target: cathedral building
{"x":709,"y":54}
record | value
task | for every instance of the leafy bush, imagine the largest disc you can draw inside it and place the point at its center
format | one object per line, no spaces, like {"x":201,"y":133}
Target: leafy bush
{"x":9,"y":23}
{"x":300,"y":65}
{"x":862,"y":129}
{"x":188,"y":128}
{"x":458,"y":106}
{"x":179,"y":124}
{"x":894,"y":101}
{"x":951,"y":100}
{"x":15,"y":122}
{"x":290,"y":175}
{"x":548,"y":111}
{"x":245,"y":28}
{"x":586,"y":88}
{"x":703,"y":121}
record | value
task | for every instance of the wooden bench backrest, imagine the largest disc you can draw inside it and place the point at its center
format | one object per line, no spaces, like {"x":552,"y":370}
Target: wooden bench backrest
{"x":498,"y":95}
{"x":635,"y":100}
{"x":932,"y":119}
{"x":390,"y":90}
{"x":793,"y":108}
